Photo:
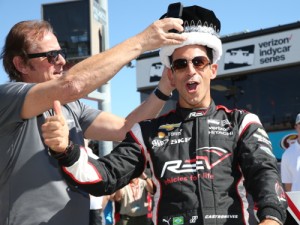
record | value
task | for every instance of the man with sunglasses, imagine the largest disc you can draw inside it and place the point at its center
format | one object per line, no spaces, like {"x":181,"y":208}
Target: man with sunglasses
{"x":52,"y":56}
{"x":32,"y":189}
{"x":205,"y":159}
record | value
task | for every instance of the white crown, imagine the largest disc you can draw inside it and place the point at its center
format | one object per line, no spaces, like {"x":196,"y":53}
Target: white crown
{"x":203,"y":28}
{"x":196,"y":35}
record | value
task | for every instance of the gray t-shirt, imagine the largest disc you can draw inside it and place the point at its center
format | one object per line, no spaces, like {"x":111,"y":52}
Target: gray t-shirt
{"x":32,"y":189}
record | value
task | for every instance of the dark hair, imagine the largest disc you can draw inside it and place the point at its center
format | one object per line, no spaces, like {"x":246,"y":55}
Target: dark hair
{"x":209,"y":53}
{"x":19,"y":40}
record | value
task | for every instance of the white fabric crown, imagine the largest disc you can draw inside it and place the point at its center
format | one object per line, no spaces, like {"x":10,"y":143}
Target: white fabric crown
{"x":200,"y":35}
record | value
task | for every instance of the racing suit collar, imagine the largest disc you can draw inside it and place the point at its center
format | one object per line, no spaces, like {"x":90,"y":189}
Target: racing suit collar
{"x":189,"y":114}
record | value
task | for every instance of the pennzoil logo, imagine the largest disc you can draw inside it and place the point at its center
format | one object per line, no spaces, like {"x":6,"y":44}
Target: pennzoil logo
{"x":287,"y":140}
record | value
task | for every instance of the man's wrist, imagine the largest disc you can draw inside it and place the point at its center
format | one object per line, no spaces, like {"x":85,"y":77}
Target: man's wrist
{"x":69,"y":156}
{"x":273,"y":218}
{"x":59,"y":155}
{"x":159,"y":94}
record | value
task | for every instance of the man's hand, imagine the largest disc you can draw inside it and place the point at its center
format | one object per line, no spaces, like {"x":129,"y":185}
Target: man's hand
{"x":157,"y":35}
{"x":164,"y":84}
{"x":55,"y":130}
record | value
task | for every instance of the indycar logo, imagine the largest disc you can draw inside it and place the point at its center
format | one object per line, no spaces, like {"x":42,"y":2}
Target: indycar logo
{"x":212,"y":157}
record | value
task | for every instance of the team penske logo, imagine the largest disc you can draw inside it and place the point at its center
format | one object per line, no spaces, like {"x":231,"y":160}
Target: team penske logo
{"x":219,"y":122}
{"x":211,"y":158}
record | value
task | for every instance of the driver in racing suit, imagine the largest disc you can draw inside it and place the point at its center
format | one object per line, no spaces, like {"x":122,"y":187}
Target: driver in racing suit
{"x":210,"y":165}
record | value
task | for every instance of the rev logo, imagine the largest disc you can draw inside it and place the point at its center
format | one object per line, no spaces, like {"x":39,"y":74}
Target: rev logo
{"x":206,"y":158}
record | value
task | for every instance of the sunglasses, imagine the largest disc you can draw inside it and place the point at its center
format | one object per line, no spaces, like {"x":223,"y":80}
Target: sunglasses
{"x":199,"y":62}
{"x":52,"y":56}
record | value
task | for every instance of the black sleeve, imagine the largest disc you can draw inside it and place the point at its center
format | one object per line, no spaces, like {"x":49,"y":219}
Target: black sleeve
{"x":262,"y":177}
{"x":107,"y":174}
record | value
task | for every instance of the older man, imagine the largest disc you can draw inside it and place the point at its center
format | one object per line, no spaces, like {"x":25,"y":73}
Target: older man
{"x":32,"y":190}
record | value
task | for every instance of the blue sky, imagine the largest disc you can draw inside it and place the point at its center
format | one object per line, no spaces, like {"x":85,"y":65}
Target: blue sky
{"x":129,"y":17}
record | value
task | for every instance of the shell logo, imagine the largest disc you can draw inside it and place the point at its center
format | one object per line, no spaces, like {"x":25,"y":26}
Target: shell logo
{"x":161,"y":134}
{"x":287,"y":140}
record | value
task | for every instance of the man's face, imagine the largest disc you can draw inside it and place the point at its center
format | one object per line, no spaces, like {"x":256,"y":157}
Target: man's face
{"x":39,"y":69}
{"x":193,"y":82}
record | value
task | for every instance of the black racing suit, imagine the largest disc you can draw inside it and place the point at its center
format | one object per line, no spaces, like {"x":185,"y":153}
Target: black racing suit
{"x":206,"y":165}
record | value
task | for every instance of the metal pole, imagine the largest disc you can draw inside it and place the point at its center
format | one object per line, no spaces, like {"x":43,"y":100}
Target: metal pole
{"x":105,"y":146}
